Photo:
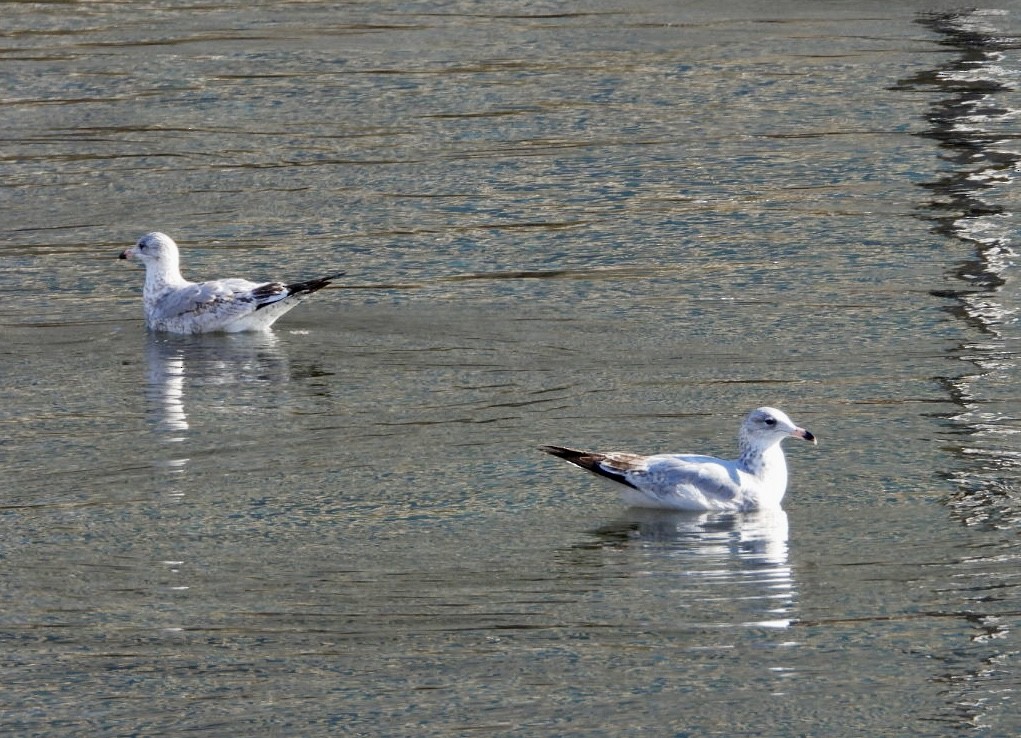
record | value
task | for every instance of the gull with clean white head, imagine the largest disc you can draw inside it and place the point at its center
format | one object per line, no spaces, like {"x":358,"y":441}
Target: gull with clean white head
{"x":757,"y":478}
{"x":175,"y":305}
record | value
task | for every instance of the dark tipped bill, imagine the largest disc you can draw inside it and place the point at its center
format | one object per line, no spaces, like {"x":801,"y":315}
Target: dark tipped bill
{"x":804,"y":435}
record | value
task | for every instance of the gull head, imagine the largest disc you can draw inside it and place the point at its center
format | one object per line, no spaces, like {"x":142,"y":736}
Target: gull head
{"x":765,"y":427}
{"x":156,"y":249}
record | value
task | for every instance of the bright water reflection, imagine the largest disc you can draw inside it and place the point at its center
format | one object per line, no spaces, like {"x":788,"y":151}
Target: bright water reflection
{"x":974,"y":123}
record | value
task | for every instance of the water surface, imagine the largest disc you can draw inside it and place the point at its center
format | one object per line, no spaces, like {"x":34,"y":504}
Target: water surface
{"x":587,"y":224}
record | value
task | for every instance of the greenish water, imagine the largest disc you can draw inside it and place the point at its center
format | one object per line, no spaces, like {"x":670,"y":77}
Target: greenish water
{"x":600,"y":226}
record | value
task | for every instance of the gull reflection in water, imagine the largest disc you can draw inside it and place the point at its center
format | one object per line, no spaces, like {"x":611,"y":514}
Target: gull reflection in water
{"x":165,"y":388}
{"x":740,"y":557}
{"x":210,"y":372}
{"x":178,"y":365}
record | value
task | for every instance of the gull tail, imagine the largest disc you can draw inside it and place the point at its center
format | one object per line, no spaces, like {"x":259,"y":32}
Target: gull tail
{"x":579,"y":458}
{"x":605,"y":465}
{"x":273,"y":292}
{"x":312,"y":285}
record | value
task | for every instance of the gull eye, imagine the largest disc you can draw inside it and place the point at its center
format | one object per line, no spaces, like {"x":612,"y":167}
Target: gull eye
{"x":770,"y":421}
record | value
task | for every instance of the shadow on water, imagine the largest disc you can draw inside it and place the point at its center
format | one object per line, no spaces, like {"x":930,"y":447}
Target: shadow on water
{"x":972,"y":122}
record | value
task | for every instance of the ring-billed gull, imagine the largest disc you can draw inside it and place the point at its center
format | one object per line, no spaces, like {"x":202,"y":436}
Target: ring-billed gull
{"x":757,"y":478}
{"x":175,"y":305}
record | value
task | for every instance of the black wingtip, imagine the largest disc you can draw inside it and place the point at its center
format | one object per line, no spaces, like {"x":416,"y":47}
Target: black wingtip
{"x":584,"y":459}
{"x":312,"y":285}
{"x":588,"y":461}
{"x":563,"y":452}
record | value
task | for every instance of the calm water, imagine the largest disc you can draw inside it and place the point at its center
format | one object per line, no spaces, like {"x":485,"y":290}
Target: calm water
{"x":591,"y":224}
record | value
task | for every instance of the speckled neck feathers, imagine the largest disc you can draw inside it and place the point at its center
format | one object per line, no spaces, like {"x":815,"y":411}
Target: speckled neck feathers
{"x":763,"y":458}
{"x":162,"y":274}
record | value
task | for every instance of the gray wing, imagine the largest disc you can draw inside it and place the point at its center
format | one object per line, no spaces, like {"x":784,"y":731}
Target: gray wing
{"x":212,"y":302}
{"x":686,"y":477}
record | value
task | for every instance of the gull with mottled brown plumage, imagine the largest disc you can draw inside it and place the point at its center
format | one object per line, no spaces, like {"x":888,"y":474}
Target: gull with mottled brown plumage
{"x":757,"y":478}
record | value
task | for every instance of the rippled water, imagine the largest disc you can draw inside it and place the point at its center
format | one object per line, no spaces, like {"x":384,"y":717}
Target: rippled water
{"x":590,"y":224}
